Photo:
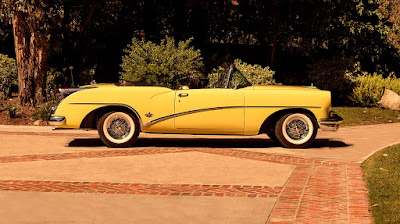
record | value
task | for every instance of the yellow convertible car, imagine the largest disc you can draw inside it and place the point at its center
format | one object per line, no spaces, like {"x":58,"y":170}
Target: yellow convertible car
{"x":287,"y":114}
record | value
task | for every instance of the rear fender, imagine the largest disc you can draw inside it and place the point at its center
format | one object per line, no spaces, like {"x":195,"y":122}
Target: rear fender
{"x":91,"y":119}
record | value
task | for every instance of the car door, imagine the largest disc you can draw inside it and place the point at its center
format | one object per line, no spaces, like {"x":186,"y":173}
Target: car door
{"x":210,"y":109}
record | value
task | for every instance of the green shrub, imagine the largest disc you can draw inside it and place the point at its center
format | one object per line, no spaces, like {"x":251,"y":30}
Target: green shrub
{"x":55,"y":80}
{"x":2,"y":98}
{"x":44,"y":112}
{"x":86,"y":76}
{"x":255,"y":74}
{"x":11,"y":108}
{"x":215,"y":76}
{"x":370,"y":88}
{"x":165,"y":64}
{"x":8,"y":75}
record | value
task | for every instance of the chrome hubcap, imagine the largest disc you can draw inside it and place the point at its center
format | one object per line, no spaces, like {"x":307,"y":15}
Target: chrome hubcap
{"x":297,"y":129}
{"x":118,"y":128}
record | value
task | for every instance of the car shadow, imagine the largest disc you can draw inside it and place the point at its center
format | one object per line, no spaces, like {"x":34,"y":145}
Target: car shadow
{"x":205,"y":143}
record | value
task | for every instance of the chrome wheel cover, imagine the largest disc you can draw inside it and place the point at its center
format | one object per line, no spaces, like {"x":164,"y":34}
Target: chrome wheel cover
{"x":297,"y":128}
{"x":119,"y":127}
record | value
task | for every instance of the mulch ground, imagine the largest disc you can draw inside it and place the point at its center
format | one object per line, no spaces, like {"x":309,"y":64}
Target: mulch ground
{"x":23,"y":116}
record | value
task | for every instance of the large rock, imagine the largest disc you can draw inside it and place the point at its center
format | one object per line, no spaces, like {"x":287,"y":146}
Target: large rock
{"x":390,"y":100}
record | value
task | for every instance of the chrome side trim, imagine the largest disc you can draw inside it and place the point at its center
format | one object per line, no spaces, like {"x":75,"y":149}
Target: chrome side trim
{"x":287,"y":107}
{"x":160,"y":119}
{"x":62,"y":129}
{"x":56,"y":120}
{"x":115,"y":104}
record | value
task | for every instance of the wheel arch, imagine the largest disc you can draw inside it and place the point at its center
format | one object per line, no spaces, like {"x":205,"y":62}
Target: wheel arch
{"x":272,"y":119}
{"x":91,"y":119}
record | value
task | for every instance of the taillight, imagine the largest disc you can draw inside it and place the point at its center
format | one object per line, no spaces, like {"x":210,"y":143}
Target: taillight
{"x":67,"y":91}
{"x":53,"y":109}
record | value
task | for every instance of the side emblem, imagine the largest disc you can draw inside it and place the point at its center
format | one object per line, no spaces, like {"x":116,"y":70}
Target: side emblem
{"x":149,"y":115}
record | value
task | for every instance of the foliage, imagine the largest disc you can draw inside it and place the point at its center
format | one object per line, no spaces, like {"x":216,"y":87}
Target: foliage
{"x":55,"y":80}
{"x":86,"y":76}
{"x":335,"y":74}
{"x":165,"y":64}
{"x":370,"y":88}
{"x":34,"y":22}
{"x":294,"y":32}
{"x":2,"y":98}
{"x":42,"y":16}
{"x":382,"y":174}
{"x":216,"y":76}
{"x":255,"y":74}
{"x":44,"y":112}
{"x":8,"y":75}
{"x":11,"y":108}
{"x":391,"y":10}
{"x":359,"y":28}
{"x":366,"y":116}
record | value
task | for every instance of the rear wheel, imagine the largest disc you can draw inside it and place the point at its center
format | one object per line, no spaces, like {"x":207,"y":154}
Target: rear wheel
{"x":118,"y":129}
{"x":296,"y":130}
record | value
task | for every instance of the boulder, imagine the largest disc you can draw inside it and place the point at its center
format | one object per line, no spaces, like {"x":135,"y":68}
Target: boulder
{"x":390,"y":100}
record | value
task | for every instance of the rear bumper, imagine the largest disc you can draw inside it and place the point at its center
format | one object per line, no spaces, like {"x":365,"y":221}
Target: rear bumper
{"x":332,"y":123}
{"x":56,"y":120}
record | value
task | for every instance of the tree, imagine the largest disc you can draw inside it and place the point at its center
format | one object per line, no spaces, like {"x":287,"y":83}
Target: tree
{"x":391,"y":9}
{"x":8,"y":75}
{"x":33,"y":23}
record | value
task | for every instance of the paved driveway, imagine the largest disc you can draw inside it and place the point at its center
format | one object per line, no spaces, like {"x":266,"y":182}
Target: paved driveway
{"x":71,"y":177}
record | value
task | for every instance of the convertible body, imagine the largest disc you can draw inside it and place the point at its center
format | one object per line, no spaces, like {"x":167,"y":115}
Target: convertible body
{"x":246,"y":111}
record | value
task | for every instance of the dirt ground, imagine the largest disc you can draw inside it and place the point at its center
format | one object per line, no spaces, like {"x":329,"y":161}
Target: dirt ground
{"x":23,"y":116}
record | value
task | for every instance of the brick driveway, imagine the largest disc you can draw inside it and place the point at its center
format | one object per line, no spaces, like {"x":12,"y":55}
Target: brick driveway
{"x":314,"y":190}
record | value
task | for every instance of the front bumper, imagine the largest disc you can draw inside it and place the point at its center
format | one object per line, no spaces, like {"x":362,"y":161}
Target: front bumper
{"x":332,"y":123}
{"x":56,"y":120}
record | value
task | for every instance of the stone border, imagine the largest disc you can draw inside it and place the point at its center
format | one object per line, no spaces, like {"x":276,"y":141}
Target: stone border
{"x":142,"y":189}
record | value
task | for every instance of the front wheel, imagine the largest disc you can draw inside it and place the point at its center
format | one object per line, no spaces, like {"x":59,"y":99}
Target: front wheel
{"x":271,"y":135}
{"x":296,"y":130}
{"x":118,"y":129}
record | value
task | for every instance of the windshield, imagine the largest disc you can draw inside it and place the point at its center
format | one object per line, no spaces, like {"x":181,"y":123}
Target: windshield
{"x":231,"y":78}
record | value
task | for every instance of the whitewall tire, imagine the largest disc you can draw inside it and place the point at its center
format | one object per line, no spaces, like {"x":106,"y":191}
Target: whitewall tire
{"x":296,"y":130}
{"x":118,"y":129}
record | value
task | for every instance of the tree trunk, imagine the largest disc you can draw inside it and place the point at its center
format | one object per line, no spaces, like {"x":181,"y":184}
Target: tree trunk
{"x":32,"y":49}
{"x":41,"y":52}
{"x":271,"y":62}
{"x":21,"y":42}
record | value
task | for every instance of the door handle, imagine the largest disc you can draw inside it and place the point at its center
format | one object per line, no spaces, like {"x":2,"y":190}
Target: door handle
{"x":183,"y":94}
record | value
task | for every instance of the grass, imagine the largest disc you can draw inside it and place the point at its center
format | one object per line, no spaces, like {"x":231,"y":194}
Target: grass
{"x":365,"y":116}
{"x":382,"y":173}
